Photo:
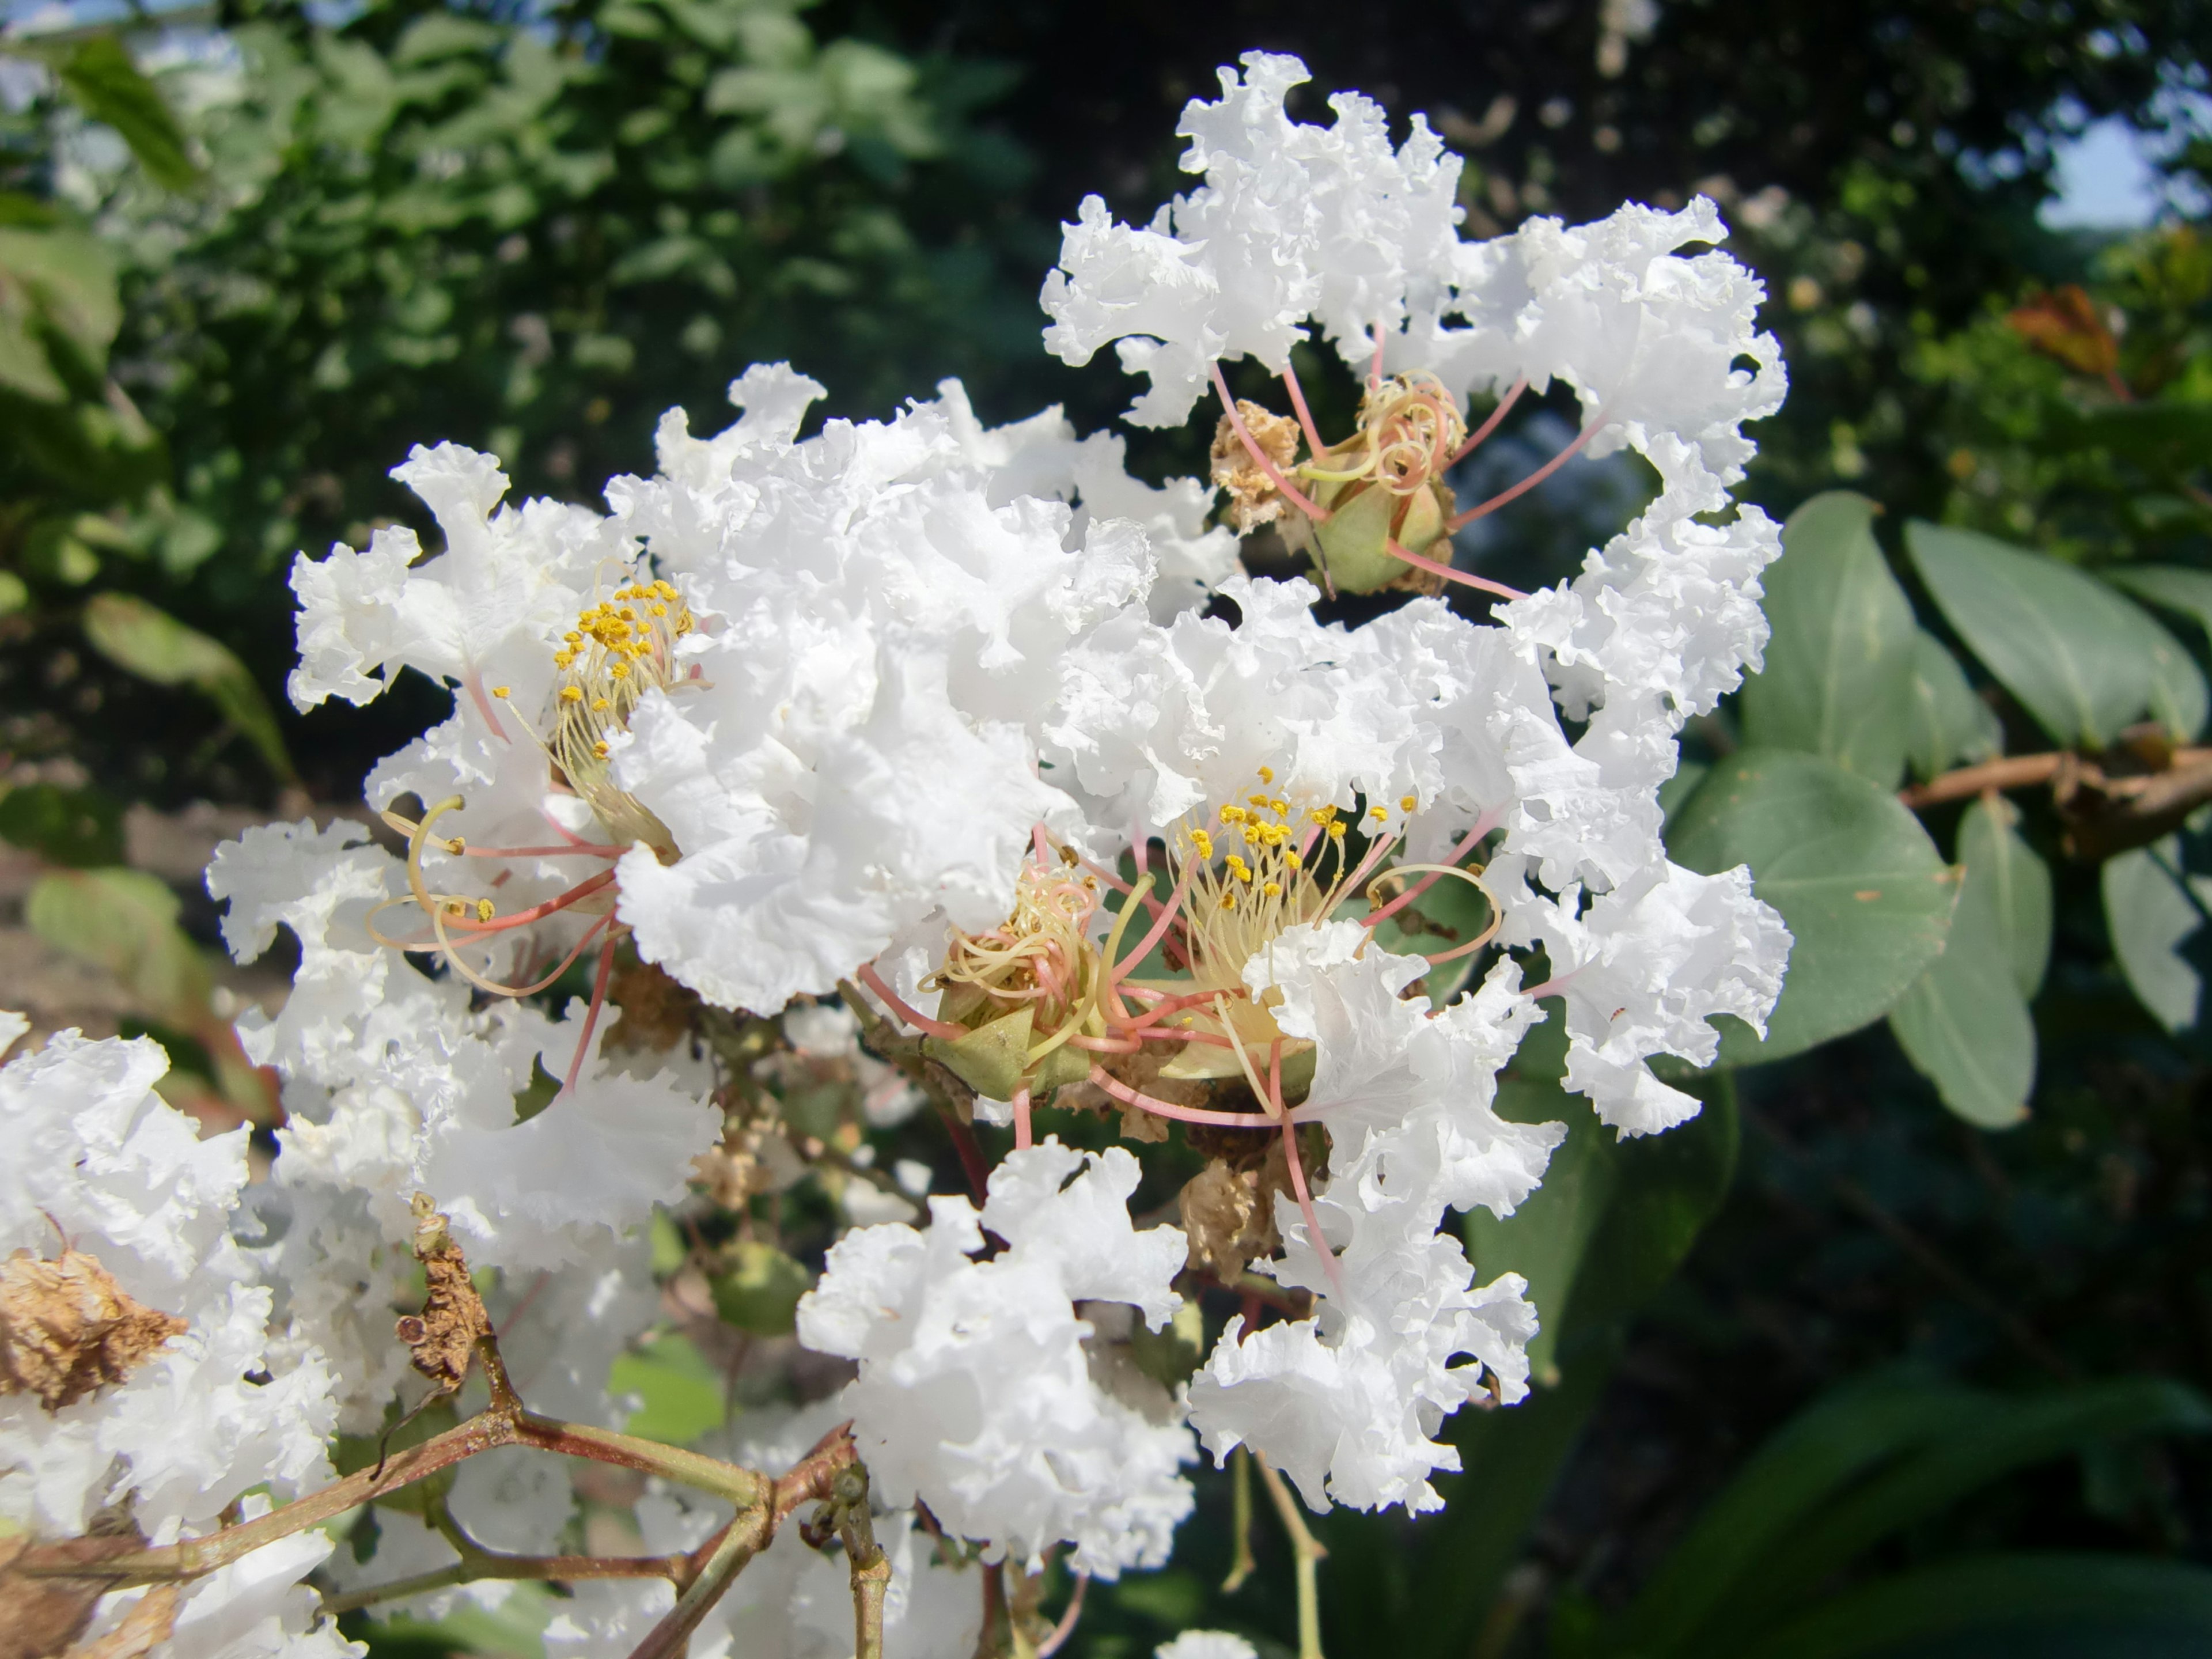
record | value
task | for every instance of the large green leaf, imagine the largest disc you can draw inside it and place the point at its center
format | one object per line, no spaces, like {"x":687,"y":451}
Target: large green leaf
{"x":1856,"y":1468}
{"x":2156,"y":902}
{"x":2171,"y":587}
{"x":126,"y":921}
{"x":156,"y":647}
{"x":99,"y":75}
{"x":1965,"y":1022}
{"x":1947,"y":723}
{"x":1838,"y":679}
{"x":58,"y":294}
{"x":1867,"y":896}
{"x":2022,"y":1605}
{"x":1991,"y":845}
{"x":2082,"y":659}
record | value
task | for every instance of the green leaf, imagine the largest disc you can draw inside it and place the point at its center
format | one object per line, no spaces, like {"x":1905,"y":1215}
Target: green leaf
{"x":1949,"y":723}
{"x":2156,"y":902}
{"x":154,"y":645}
{"x":1866,"y":898}
{"x":2170,"y":587}
{"x":681,"y":1396}
{"x":1990,"y":846}
{"x":2082,"y":659}
{"x":107,"y":86}
{"x":82,"y":828}
{"x":760,"y":1291}
{"x":126,"y":921}
{"x":53,"y":283}
{"x":1838,"y":677}
{"x":1964,"y":1024}
{"x":1858,"y":1466}
{"x":2025,"y":1605}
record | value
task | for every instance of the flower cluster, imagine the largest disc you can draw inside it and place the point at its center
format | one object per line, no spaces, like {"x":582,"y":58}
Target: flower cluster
{"x":997,"y":746}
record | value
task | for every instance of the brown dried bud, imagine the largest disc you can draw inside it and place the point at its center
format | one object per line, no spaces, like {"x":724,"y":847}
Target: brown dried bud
{"x":657,"y":1012}
{"x":68,"y":1328}
{"x":443,"y":1339}
{"x":1229,"y":1214}
{"x":1253,"y":498}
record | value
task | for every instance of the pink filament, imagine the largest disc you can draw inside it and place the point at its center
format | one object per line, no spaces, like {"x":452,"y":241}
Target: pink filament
{"x":1306,"y":1206}
{"x":1065,"y":1627}
{"x":914,"y":1017}
{"x":1451,"y":575}
{"x":584,"y":848}
{"x":1597,"y":424}
{"x":591,"y":1016}
{"x":1483,"y":826}
{"x":474,"y":682}
{"x":1305,"y":415}
{"x":1290,"y":491}
{"x":1474,"y":441}
{"x":1021,"y":1120}
{"x":1122,"y":1091}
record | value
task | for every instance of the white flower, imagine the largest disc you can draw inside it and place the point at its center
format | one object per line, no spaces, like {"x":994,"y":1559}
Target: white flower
{"x":1157,"y":722}
{"x":976,"y":1394}
{"x":1293,"y":221}
{"x":1644,"y":970}
{"x":211,"y":1413}
{"x":1347,"y":1402}
{"x":1406,"y":1095}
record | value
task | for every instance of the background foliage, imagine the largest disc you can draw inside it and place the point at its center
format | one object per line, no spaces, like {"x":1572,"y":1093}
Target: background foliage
{"x":1897,"y":1349}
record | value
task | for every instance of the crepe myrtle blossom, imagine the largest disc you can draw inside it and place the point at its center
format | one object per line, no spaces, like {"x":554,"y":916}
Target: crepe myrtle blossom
{"x":154,"y":1389}
{"x":1297,"y":224}
{"x":957,"y":742}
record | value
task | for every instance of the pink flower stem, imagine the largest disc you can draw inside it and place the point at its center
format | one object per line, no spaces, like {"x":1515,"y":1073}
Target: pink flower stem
{"x":1065,"y":1627}
{"x":1516,"y":491}
{"x":591,"y":1016}
{"x":1449,"y":574}
{"x":1305,"y":415}
{"x":583,"y":890}
{"x":1290,"y":491}
{"x":1021,"y":1120}
{"x":913,"y":1015}
{"x":1475,"y":440}
{"x":1483,"y":826}
{"x":582,"y":849}
{"x":474,"y":681}
{"x":1375,"y":368}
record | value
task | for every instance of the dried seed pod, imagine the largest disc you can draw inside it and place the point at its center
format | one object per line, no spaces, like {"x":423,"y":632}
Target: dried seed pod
{"x":68,"y":1328}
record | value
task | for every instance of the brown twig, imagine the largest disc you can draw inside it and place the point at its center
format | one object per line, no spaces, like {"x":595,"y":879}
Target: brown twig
{"x":2012,"y":772}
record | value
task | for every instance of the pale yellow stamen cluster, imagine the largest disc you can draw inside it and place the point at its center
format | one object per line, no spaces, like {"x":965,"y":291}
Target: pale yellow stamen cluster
{"x":1409,"y":429}
{"x":620,"y":649}
{"x":1041,"y":956}
{"x":1262,"y":882}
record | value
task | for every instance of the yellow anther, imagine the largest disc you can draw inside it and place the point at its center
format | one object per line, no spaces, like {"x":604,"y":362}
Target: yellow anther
{"x":499,"y":690}
{"x":572,"y":638}
{"x":620,"y":670}
{"x":1232,"y":815}
{"x":1244,"y":874}
{"x":1272,"y":889}
{"x":1256,"y":800}
{"x":659,"y":610}
{"x":1282,"y":808}
{"x":571,"y":694}
{"x":1378,"y":813}
{"x":1336,"y":829}
{"x":599,"y":704}
{"x":456,"y":845}
{"x":1229,"y":900}
{"x":1407,"y":803}
{"x":601,"y":749}
{"x":484,"y":910}
{"x":455,"y":907}
{"x":1294,"y":860}
{"x":1266,"y":774}
{"x":1203,"y":842}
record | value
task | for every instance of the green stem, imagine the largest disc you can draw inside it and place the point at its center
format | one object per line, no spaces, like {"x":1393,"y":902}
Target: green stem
{"x":1240,"y":1519}
{"x":1307,"y":1552}
{"x":745,"y":1538}
{"x":562,"y":1569}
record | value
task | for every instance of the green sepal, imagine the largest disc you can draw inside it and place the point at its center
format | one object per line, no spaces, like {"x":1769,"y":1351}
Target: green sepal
{"x":991,"y":1058}
{"x":1353,"y":539}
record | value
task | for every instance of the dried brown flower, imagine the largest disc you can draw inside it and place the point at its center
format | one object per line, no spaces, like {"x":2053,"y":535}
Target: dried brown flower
{"x":68,"y":1328}
{"x":442,"y":1339}
{"x":1253,"y":498}
{"x":1229,"y":1211}
{"x":657,"y":1012}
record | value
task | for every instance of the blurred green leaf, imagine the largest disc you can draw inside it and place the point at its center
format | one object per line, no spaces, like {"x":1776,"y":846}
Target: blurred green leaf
{"x":57,"y":290}
{"x":2081,"y":659}
{"x":1837,"y":680}
{"x":82,"y":828}
{"x":1947,"y":723}
{"x":680,"y":1396}
{"x":1991,"y":848}
{"x":126,"y":921}
{"x":154,"y":645}
{"x":2156,"y":900}
{"x":107,"y":86}
{"x":1867,"y":896}
{"x":1858,"y":1466}
{"x":2170,"y":586}
{"x":760,"y":1291}
{"x":2023,"y":1605}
